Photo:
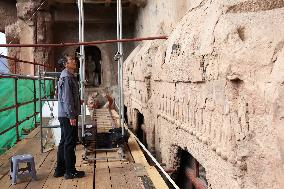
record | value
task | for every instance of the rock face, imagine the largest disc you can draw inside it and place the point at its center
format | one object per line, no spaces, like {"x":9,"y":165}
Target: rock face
{"x":215,"y":88}
{"x":27,"y":21}
{"x":8,"y":13}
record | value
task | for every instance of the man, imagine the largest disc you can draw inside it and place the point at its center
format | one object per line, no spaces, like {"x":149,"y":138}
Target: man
{"x":68,"y":112}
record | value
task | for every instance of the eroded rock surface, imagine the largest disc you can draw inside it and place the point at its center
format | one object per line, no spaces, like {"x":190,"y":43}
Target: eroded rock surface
{"x":215,"y":88}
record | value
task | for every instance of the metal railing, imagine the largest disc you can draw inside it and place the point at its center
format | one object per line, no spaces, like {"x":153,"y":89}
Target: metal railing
{"x":17,"y":104}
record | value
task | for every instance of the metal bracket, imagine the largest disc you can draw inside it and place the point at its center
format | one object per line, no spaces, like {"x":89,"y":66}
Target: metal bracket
{"x":117,"y":56}
{"x":79,"y":56}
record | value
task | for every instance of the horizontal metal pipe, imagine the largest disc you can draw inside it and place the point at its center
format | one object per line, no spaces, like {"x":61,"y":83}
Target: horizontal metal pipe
{"x":14,"y":76}
{"x":51,"y":100}
{"x":17,"y":76}
{"x":84,"y":43}
{"x":6,"y":130}
{"x":8,"y":108}
{"x":51,"y":127}
{"x":20,"y":122}
{"x":52,"y":74}
{"x":27,"y":118}
{"x":48,"y":78}
{"x":20,"y":104}
{"x":22,"y":61}
{"x":24,"y":103}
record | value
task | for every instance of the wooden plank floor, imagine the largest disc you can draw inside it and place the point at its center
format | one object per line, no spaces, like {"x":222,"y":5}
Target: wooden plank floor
{"x":129,"y":174}
{"x":45,"y":164}
{"x":140,"y":160}
{"x":116,"y":174}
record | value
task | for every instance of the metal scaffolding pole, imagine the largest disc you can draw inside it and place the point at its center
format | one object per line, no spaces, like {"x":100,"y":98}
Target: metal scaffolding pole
{"x":121,"y":69}
{"x":82,"y":61}
{"x":16,"y":60}
{"x":40,"y":110}
{"x":118,"y":62}
{"x":68,"y":44}
{"x":120,"y":65}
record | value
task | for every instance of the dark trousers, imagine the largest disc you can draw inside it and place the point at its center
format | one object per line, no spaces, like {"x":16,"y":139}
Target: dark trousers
{"x":66,"y":158}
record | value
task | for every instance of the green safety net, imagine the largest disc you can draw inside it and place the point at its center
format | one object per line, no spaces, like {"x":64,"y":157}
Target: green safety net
{"x":25,"y":93}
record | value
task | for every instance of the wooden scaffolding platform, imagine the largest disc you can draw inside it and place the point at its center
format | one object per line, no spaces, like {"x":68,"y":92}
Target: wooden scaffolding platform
{"x":135,"y":173}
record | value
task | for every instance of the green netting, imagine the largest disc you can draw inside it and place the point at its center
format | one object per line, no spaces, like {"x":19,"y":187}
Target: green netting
{"x":25,"y":93}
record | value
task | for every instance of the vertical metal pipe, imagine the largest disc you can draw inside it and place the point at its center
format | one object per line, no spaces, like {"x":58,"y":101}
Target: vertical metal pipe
{"x":34,"y":69}
{"x":15,"y":66}
{"x":83,"y":60}
{"x":79,"y":28}
{"x":117,"y":23}
{"x":81,"y":65}
{"x":121,"y":67}
{"x":44,"y":88}
{"x":118,"y":62}
{"x":40,"y":109}
{"x":34,"y":82}
{"x":17,"y":109}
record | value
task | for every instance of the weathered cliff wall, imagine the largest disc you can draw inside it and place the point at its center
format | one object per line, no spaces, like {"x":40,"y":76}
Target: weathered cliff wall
{"x":215,"y":88}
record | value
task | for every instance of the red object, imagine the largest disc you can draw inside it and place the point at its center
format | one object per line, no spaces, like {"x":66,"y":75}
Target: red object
{"x":23,"y":61}
{"x":84,"y":43}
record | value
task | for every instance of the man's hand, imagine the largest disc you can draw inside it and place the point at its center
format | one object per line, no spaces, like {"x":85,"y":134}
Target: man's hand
{"x":73,"y":122}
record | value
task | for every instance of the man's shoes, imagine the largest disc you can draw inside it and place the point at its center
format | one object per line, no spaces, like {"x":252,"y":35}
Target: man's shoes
{"x":58,"y":174}
{"x":75,"y":174}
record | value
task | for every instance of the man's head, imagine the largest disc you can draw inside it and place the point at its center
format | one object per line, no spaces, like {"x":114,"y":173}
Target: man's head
{"x":68,"y":62}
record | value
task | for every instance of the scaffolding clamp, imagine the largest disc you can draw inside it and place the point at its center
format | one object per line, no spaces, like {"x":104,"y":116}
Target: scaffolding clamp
{"x":117,"y":56}
{"x":79,"y":56}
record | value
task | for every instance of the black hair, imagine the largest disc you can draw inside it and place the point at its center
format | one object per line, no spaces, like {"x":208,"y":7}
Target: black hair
{"x":63,"y":60}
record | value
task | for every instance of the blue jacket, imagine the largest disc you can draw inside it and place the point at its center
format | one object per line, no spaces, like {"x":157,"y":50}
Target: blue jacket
{"x":68,"y":95}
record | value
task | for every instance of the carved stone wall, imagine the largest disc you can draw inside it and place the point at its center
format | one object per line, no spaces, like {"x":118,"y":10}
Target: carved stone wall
{"x":215,"y":89}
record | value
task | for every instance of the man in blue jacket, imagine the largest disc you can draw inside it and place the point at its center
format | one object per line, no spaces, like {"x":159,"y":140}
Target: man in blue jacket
{"x":69,"y":106}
